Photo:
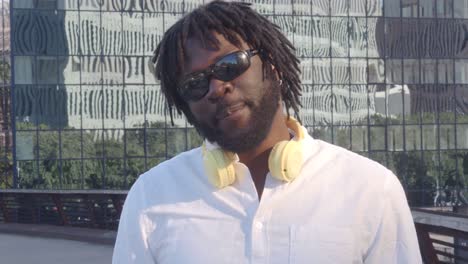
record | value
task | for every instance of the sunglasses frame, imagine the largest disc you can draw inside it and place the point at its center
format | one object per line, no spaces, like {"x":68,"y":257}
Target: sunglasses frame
{"x":209,"y":73}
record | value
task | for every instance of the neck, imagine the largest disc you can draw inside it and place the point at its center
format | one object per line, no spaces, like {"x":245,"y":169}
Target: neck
{"x":278,"y":132}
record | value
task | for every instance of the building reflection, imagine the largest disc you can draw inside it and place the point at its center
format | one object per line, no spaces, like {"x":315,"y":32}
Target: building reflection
{"x":387,"y":79}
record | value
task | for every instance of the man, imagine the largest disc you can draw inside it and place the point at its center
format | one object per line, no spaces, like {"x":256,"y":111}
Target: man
{"x":259,"y":189}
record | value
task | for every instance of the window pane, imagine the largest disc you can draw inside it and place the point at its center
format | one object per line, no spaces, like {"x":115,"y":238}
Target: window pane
{"x":72,"y":174}
{"x":135,"y":167}
{"x":89,"y":25}
{"x":71,"y":144}
{"x":28,"y":174}
{"x":156,"y":143}
{"x":135,"y":142}
{"x":413,"y":137}
{"x":115,"y":178}
{"x":342,"y":137}
{"x":378,"y":137}
{"x":93,"y":174}
{"x":360,"y":140}
{"x":26,"y":145}
{"x":48,"y":145}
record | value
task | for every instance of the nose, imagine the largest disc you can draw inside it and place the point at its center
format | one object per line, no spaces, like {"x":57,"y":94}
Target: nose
{"x":218,"y":89}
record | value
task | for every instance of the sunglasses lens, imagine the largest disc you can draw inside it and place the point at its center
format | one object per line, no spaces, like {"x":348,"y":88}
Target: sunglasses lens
{"x":226,"y":69}
{"x":231,"y":66}
{"x":195,"y":88}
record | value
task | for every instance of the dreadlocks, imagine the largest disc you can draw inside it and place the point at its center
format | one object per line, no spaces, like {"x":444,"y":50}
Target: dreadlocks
{"x":233,"y":20}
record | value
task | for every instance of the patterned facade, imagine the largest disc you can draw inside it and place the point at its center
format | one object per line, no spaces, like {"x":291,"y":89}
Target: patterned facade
{"x":387,"y":79}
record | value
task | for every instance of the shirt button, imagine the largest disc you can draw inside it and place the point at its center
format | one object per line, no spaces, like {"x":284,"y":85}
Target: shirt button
{"x":258,"y":225}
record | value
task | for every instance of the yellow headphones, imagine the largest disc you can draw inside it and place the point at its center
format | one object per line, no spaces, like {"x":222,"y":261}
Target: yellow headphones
{"x":284,"y":162}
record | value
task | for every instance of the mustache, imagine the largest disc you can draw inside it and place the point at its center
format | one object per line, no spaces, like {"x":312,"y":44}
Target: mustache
{"x":224,"y":108}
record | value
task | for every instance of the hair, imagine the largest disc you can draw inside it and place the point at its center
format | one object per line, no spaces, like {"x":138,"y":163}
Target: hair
{"x":232,"y":20}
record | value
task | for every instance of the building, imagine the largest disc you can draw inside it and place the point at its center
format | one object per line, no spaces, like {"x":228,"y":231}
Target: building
{"x":387,"y":79}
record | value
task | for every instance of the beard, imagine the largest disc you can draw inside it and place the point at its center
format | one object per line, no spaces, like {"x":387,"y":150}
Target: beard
{"x":261,"y":119}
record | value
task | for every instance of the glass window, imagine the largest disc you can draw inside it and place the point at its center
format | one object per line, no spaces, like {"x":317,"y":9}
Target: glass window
{"x":374,"y":7}
{"x":47,"y":70}
{"x":460,"y":8}
{"x":133,"y":69}
{"x":90,"y":26}
{"x":71,"y":141}
{"x":25,"y":65}
{"x":447,"y":137}
{"x":91,"y":70}
{"x":322,"y":132}
{"x":69,"y":70}
{"x":395,"y":138}
{"x":360,"y":138}
{"x":378,"y":138}
{"x":359,"y":69}
{"x":135,"y":142}
{"x":342,"y":136}
{"x":114,"y":101}
{"x":72,"y":174}
{"x":93,"y":174}
{"x":112,"y":36}
{"x":321,"y":8}
{"x":134,"y":168}
{"x":461,"y":71}
{"x":156,"y":142}
{"x":28,"y":174}
{"x":303,"y":25}
{"x":321,"y":33}
{"x":114,"y":171}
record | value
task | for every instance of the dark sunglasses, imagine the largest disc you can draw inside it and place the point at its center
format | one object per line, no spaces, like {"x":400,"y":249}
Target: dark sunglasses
{"x":196,"y":85}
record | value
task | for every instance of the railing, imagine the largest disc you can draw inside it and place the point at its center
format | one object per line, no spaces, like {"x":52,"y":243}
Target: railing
{"x":442,"y":236}
{"x":84,"y":208}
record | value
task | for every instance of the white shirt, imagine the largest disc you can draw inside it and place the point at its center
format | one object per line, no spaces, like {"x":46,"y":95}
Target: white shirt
{"x":342,"y":208}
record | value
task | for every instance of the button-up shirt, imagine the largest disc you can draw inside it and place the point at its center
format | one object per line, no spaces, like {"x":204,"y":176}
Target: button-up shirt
{"x":342,"y":208}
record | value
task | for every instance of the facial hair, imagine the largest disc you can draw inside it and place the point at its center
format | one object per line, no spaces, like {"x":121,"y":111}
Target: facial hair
{"x":261,"y":119}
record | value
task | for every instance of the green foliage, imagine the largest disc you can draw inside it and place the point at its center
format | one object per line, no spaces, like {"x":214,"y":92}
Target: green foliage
{"x":5,"y":72}
{"x":414,"y":174}
{"x":6,"y":171}
{"x":96,"y":160}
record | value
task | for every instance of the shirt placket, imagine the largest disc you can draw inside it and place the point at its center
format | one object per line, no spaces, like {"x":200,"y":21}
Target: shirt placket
{"x":257,"y":221}
{"x":260,"y":225}
{"x":259,"y":239}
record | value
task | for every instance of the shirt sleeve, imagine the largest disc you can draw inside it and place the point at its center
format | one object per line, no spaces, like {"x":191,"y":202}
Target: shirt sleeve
{"x":395,"y":240}
{"x":131,"y":245}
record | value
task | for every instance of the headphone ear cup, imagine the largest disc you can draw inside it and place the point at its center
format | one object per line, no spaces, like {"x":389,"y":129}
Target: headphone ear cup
{"x":219,"y":168}
{"x":285,"y":160}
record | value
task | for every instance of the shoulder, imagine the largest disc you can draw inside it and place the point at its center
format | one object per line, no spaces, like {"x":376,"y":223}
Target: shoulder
{"x":328,"y":154}
{"x":345,"y":168}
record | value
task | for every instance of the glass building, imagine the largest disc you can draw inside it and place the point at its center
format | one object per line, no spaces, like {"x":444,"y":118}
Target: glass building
{"x":79,"y":108}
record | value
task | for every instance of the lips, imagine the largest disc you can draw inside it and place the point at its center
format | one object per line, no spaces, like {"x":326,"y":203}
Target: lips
{"x":227,"y":110}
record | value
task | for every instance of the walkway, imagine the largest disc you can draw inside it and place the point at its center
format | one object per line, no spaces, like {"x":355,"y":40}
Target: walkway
{"x":24,"y":244}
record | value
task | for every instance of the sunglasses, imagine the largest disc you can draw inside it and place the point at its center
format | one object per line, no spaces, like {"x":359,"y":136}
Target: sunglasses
{"x":196,"y":85}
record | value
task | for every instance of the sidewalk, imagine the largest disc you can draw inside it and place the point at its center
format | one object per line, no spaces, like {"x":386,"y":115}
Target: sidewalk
{"x":23,"y":243}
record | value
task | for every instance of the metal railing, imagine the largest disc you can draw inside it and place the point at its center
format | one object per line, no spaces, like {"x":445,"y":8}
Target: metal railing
{"x":442,"y":236}
{"x":83,"y":208}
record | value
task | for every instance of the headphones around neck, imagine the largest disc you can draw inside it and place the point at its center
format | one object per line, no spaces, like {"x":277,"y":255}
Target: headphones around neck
{"x":284,"y":161}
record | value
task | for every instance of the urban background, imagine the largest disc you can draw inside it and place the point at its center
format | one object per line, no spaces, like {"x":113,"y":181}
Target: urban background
{"x":79,"y":108}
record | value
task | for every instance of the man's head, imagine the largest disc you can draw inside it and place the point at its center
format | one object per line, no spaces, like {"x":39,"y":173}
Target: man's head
{"x":261,"y":71}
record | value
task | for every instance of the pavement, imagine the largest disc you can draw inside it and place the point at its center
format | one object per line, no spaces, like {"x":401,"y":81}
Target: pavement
{"x":24,"y":244}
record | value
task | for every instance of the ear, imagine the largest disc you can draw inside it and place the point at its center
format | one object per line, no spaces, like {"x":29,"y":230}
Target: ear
{"x":278,"y":76}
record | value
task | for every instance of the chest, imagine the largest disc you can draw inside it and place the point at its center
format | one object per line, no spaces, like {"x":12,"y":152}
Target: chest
{"x":253,"y":238}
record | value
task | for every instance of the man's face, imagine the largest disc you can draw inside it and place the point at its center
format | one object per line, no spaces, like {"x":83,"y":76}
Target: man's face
{"x":236,"y":114}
